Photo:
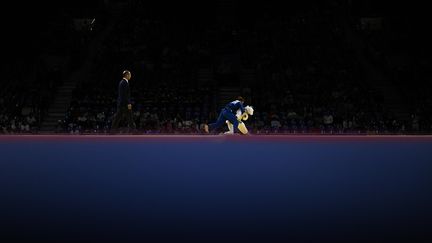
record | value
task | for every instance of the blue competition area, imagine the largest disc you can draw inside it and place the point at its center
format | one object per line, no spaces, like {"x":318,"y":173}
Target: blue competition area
{"x":216,"y":188}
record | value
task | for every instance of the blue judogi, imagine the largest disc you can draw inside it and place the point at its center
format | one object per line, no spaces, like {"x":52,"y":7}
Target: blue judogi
{"x":228,"y":113}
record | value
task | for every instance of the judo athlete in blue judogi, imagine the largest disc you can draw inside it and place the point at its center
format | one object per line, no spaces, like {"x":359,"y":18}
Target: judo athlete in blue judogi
{"x":228,"y":113}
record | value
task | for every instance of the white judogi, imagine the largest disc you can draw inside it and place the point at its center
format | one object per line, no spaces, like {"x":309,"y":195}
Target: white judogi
{"x":240,"y":117}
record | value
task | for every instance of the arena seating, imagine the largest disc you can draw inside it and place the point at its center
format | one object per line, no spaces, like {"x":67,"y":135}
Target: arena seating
{"x":296,"y":67}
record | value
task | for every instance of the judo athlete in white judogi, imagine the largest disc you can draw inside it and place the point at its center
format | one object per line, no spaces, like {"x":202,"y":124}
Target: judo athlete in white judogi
{"x":240,"y":117}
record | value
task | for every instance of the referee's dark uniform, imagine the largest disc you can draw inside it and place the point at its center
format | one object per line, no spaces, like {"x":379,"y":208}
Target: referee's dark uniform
{"x":123,"y":112}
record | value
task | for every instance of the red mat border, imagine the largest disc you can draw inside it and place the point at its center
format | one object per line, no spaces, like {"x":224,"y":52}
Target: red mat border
{"x":215,"y":138}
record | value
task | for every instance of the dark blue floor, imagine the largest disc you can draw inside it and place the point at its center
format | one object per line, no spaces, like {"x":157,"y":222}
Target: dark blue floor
{"x":216,"y":191}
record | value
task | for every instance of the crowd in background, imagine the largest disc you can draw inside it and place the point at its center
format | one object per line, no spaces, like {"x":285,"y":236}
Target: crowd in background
{"x":19,"y":111}
{"x":44,"y":54}
{"x":166,"y":109}
{"x":305,"y":75}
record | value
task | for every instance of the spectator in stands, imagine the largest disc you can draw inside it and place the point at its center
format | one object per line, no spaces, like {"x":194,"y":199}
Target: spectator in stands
{"x":328,"y":122}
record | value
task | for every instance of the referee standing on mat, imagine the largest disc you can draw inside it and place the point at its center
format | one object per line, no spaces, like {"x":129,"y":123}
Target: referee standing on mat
{"x":124,"y":106}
